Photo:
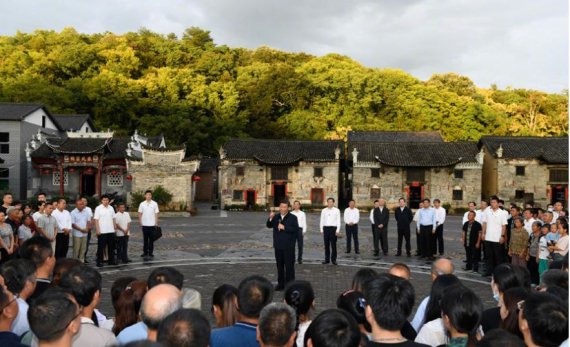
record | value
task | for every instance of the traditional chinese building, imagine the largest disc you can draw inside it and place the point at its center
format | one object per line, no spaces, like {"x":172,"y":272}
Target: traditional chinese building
{"x":263,"y":172}
{"x":521,"y":169}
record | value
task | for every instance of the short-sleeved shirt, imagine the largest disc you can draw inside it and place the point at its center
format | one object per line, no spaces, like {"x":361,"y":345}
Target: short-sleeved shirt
{"x":105,"y":216}
{"x":48,"y":224}
{"x":562,"y":243}
{"x":80,"y":218}
{"x":36,"y":216}
{"x":519,"y":241}
{"x":543,"y":252}
{"x":122,"y":219}
{"x":495,"y":221}
{"x":63,"y":219}
{"x":24,"y":232}
{"x":239,"y":334}
{"x":148,"y":211}
{"x":5,"y":233}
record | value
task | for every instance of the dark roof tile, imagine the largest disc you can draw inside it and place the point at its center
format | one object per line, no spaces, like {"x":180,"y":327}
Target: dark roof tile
{"x":553,"y":150}
{"x":12,"y":111}
{"x":73,"y":122}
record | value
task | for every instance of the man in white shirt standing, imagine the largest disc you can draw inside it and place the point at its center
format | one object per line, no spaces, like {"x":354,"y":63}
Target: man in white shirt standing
{"x":81,"y":223}
{"x":439,"y":220}
{"x":123,"y":225}
{"x":495,"y":235}
{"x":376,"y":204}
{"x":105,"y":228}
{"x":40,"y":212}
{"x":148,"y":219}
{"x":528,"y":220}
{"x":90,"y":212}
{"x":63,"y":218}
{"x":330,"y":228}
{"x":302,"y":220}
{"x":351,"y":219}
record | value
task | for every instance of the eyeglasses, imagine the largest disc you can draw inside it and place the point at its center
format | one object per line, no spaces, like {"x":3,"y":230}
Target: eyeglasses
{"x":520,"y":305}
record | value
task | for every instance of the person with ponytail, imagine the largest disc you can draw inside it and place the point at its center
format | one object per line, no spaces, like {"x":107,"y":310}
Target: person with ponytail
{"x":509,"y":310}
{"x":128,"y":305}
{"x":224,"y":305}
{"x":461,"y":311}
{"x":301,"y":296}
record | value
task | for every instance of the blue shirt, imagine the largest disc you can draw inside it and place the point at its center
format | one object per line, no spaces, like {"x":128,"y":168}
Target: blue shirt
{"x":80,"y":218}
{"x":552,"y":236}
{"x":427,"y":216}
{"x":238,"y":335}
{"x":135,"y":332}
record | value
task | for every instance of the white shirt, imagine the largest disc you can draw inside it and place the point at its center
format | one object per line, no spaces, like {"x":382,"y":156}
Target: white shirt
{"x":372,"y":216}
{"x":528,"y":225}
{"x":36,"y":216}
{"x":122,"y":219}
{"x":301,"y":333}
{"x":351,"y":215}
{"x":149,"y":211}
{"x":494,"y":221}
{"x":555,"y":216}
{"x":418,"y":320}
{"x":105,"y":216}
{"x":330,"y":217}
{"x":20,"y":325}
{"x":301,"y":219}
{"x":477,"y":216}
{"x":63,"y":219}
{"x":439,"y":215}
{"x":432,"y":333}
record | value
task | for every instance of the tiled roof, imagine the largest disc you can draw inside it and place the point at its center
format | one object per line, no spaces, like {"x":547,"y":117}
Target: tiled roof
{"x":73,"y":122}
{"x":115,"y":148}
{"x":281,"y":152}
{"x":208,"y":164}
{"x":395,"y":136}
{"x":553,"y":150}
{"x":12,"y":111}
{"x":434,"y":154}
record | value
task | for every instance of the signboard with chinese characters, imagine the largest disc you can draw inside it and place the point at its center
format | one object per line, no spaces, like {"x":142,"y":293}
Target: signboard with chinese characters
{"x":79,"y":159}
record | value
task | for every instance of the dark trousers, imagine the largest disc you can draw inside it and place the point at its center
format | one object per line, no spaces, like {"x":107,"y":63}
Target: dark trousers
{"x":404,"y":234}
{"x":87,"y":247}
{"x":285,"y":259}
{"x":352,"y":233}
{"x":426,"y":234}
{"x":438,"y":239}
{"x":419,"y":242}
{"x":106,"y":240}
{"x":473,"y":256}
{"x":329,"y":236}
{"x":375,"y":238}
{"x":495,"y":255}
{"x":122,"y":248}
{"x":148,"y":243}
{"x":532,"y":266}
{"x":61,"y":245}
{"x":300,"y":244}
{"x":384,"y":239}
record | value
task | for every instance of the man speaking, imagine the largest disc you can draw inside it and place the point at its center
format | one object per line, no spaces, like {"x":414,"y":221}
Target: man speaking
{"x":285,"y":228}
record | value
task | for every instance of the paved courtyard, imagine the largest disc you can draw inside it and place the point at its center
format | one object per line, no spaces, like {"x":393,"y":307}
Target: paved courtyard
{"x":217,"y":247}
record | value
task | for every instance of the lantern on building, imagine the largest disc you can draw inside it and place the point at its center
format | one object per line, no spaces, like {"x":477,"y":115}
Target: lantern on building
{"x":71,"y":169}
{"x":46,"y":171}
{"x":89,"y":171}
{"x":196,"y":178}
{"x":129,"y":178}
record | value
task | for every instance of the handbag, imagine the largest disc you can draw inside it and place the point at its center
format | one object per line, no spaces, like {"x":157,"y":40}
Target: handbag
{"x":156,"y":233}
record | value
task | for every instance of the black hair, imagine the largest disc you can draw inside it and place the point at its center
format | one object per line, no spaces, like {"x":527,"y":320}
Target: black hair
{"x":361,"y":277}
{"x":555,"y":277}
{"x":50,"y":314}
{"x":104,"y":196}
{"x":284,"y":201}
{"x":391,"y":299}
{"x":494,"y":197}
{"x":118,"y":287}
{"x":224,"y":297}
{"x":165,"y":275}
{"x":299,"y":295}
{"x":331,"y":198}
{"x":254,"y":293}
{"x":426,"y":199}
{"x":402,"y":198}
{"x":436,"y":200}
{"x":184,"y":328}
{"x":511,"y":298}
{"x":276,"y":324}
{"x":439,"y":285}
{"x":464,"y":310}
{"x":523,"y":276}
{"x":505,"y":277}
{"x":147,"y":191}
{"x":560,"y":293}
{"x":499,"y":337}
{"x":501,"y":201}
{"x":333,"y":328}
{"x":37,"y":249}
{"x":16,"y":273}
{"x":4,"y":297}
{"x":354,"y":303}
{"x":82,"y":282}
{"x":547,"y":319}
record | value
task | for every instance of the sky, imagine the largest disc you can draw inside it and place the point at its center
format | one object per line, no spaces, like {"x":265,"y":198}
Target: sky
{"x":510,"y":43}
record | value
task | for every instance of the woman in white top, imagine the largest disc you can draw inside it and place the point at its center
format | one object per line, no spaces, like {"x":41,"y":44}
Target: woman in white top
{"x":560,"y":249}
{"x":6,"y":237}
{"x":301,"y":296}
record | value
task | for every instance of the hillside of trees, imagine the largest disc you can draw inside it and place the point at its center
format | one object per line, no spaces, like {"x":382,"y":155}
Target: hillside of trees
{"x":199,"y":93}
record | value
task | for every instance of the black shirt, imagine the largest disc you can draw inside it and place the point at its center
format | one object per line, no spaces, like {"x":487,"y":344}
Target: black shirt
{"x":491,"y":319}
{"x":407,"y":343}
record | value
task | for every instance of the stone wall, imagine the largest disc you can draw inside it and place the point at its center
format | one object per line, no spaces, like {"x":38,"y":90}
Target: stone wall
{"x":534,"y":180}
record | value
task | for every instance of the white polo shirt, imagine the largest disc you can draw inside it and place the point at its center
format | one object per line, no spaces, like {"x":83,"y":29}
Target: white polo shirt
{"x":105,"y":216}
{"x":63,"y":220}
{"x":149,"y":211}
{"x":122,"y":219}
{"x":495,"y":221}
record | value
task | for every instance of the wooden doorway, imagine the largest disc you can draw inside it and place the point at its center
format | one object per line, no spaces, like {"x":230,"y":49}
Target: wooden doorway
{"x":279,"y":193}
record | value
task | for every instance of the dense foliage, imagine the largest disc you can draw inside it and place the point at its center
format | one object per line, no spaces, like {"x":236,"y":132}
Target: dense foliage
{"x":199,"y":94}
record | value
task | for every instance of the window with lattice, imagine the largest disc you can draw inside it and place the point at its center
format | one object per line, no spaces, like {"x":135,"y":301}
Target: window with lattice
{"x":55,"y":178}
{"x":114,"y":180}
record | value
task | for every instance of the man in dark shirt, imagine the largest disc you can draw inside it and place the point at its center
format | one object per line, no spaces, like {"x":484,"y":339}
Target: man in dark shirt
{"x":38,"y":250}
{"x":7,"y":200}
{"x":8,"y":313}
{"x":403,"y":218}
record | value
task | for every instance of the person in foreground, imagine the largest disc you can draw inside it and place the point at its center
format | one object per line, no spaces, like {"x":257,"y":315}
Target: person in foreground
{"x":277,"y":322}
{"x":543,"y":320}
{"x":184,"y":328}
{"x":389,"y":302}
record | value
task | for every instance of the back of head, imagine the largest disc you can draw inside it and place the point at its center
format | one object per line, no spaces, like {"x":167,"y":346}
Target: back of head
{"x":63,"y":265}
{"x":400,"y":270}
{"x":128,"y":305}
{"x":82,"y":282}
{"x":361,"y":277}
{"x":16,"y":273}
{"x":50,"y":314}
{"x":184,"y":328}
{"x":118,"y":287}
{"x":159,"y":302}
{"x":391,"y":299}
{"x":499,"y":337}
{"x":300,"y":295}
{"x":333,"y":328}
{"x":442,"y":266}
{"x":555,"y":278}
{"x":354,"y":303}
{"x":547,"y":319}
{"x":254,"y":293}
{"x":438,"y":287}
{"x":277,"y":323}
{"x":224,"y":298}
{"x":523,"y":276}
{"x":511,"y":298}
{"x":505,"y":277}
{"x":463,"y":309}
{"x":165,"y":275}
{"x":36,"y":249}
